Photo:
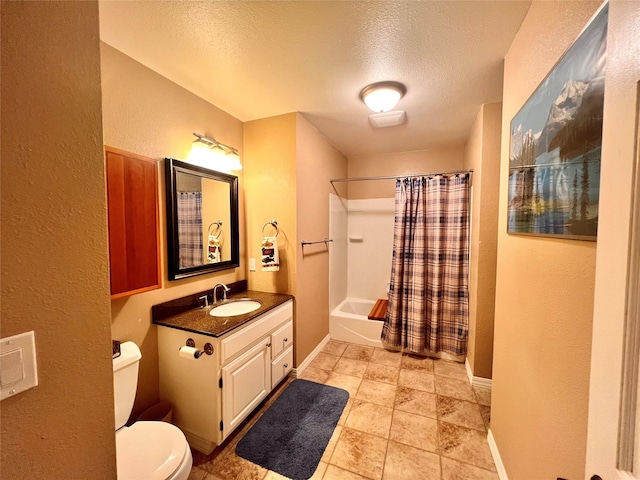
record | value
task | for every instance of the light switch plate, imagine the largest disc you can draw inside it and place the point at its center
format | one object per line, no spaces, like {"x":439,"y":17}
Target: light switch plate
{"x":252,"y":264}
{"x":18,"y":368}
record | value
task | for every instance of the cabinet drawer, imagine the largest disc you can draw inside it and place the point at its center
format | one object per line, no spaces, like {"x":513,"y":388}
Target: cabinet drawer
{"x":281,"y":339}
{"x":258,"y":328}
{"x":281,"y":366}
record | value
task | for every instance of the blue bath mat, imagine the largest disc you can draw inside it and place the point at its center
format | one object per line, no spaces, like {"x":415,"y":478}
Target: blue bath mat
{"x":292,"y":434}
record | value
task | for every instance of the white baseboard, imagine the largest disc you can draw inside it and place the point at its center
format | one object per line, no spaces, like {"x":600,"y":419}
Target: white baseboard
{"x":479,"y":382}
{"x":296,"y":372}
{"x":502,"y":472}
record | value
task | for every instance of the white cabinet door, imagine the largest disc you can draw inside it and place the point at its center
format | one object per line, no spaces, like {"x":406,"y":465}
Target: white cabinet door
{"x":245,"y":382}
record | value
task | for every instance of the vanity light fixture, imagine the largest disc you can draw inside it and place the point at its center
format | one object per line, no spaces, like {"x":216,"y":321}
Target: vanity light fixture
{"x":382,"y":96}
{"x":213,"y":154}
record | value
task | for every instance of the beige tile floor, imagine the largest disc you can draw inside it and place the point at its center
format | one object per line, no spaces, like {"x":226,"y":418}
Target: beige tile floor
{"x":407,"y":417}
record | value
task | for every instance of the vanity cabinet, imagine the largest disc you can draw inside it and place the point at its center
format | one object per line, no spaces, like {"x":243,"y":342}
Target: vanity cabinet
{"x":132,"y":198}
{"x":213,"y":394}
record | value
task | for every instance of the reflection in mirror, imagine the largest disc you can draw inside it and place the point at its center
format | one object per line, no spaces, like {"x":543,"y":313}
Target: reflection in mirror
{"x":202,"y":220}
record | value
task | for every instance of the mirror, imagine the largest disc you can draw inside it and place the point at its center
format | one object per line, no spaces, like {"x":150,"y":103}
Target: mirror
{"x":202,"y":220}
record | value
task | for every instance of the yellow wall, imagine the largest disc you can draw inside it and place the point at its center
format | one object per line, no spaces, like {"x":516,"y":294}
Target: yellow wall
{"x":482,"y":155}
{"x":270,"y":193}
{"x":544,"y":292}
{"x":402,"y":163}
{"x":147,"y":114}
{"x":55,"y":277}
{"x":288,"y":164}
{"x":317,"y":162}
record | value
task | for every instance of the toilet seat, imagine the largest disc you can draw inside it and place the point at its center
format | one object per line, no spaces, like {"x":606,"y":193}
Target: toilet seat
{"x":150,"y":450}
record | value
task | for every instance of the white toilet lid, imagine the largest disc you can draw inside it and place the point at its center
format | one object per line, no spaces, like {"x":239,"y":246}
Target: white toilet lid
{"x":149,"y":450}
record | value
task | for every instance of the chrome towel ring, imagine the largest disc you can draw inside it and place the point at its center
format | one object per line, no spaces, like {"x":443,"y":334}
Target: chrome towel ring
{"x":274,"y":224}
{"x":218,"y":229}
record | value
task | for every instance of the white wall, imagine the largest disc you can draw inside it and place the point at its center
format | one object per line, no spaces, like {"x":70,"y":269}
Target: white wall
{"x":360,"y":254}
{"x":337,"y":250}
{"x":369,"y":259}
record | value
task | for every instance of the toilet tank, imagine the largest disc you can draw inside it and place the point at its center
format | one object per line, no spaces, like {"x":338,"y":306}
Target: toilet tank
{"x":125,"y":381}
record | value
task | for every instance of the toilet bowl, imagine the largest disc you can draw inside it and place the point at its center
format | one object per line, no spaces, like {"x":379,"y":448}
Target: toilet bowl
{"x":152,"y":450}
{"x":146,"y":450}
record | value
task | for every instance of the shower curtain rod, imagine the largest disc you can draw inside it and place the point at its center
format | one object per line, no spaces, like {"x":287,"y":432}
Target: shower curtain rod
{"x":360,"y":179}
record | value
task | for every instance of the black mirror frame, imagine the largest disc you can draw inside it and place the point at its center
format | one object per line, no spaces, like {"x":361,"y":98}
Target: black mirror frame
{"x":172,"y":167}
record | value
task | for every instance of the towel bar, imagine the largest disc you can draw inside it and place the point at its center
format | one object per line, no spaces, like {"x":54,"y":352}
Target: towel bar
{"x":325,"y":241}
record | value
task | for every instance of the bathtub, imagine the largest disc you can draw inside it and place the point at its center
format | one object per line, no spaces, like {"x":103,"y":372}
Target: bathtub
{"x":348,"y":322}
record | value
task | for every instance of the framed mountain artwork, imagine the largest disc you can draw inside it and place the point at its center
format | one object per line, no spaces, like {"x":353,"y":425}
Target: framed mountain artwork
{"x":556,"y":140}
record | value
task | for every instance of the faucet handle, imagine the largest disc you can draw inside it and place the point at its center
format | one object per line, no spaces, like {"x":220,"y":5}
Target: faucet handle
{"x":206,"y":300}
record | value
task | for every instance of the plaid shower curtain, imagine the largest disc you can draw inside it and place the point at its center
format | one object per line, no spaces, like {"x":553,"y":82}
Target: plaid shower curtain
{"x":429,"y":297}
{"x":190,"y":229}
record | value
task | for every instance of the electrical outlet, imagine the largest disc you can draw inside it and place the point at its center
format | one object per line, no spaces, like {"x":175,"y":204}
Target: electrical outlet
{"x":252,"y":264}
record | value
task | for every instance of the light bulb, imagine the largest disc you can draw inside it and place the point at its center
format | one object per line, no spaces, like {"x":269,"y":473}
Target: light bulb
{"x":382,"y":96}
{"x":233,"y":160}
{"x":199,"y":154}
{"x":382,"y":100}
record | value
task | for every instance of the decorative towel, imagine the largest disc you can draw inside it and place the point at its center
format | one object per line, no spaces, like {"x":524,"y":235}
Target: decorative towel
{"x":270,"y":256}
{"x":214,"y":255}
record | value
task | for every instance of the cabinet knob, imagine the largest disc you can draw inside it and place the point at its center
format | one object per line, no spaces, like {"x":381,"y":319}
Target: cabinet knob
{"x":286,"y":365}
{"x":268,"y":344}
{"x":285,"y":340}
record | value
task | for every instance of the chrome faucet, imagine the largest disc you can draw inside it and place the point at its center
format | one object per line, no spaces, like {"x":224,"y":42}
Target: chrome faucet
{"x":225,"y":289}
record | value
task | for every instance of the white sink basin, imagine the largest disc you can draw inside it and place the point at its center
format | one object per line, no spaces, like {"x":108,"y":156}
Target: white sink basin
{"x":235,"y":307}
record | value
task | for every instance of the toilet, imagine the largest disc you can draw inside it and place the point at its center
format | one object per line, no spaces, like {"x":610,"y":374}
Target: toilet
{"x":145,"y":450}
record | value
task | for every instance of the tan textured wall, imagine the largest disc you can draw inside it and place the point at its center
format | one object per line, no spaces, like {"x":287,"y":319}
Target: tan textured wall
{"x":619,"y":154}
{"x":54,"y":242}
{"x":317,"y":162}
{"x":270,"y":194}
{"x":544,"y":292}
{"x":482,"y":155}
{"x":147,"y":114}
{"x":473,"y":160}
{"x":402,"y":163}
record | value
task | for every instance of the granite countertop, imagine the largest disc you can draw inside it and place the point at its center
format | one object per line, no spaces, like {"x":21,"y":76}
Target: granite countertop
{"x":198,"y":320}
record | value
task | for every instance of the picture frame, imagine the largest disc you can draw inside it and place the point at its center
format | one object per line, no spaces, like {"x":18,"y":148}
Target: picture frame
{"x":555,"y":144}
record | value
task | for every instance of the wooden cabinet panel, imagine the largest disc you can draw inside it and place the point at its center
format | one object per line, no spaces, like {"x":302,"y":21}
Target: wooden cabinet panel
{"x":132,"y":196}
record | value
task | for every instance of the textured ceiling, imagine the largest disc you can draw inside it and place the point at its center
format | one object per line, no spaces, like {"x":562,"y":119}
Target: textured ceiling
{"x":260,"y":59}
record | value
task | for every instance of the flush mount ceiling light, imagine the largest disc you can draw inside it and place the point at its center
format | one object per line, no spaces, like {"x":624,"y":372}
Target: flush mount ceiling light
{"x":382,"y":96}
{"x":210,"y":153}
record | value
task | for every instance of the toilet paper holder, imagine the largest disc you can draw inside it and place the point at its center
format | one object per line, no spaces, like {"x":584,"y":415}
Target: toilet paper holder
{"x":208,"y":348}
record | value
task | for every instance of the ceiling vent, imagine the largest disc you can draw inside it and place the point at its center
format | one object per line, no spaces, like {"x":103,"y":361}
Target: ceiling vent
{"x":388,"y":119}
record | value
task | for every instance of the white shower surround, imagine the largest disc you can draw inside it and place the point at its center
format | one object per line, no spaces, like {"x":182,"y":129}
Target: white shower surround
{"x":360,"y":268}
